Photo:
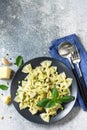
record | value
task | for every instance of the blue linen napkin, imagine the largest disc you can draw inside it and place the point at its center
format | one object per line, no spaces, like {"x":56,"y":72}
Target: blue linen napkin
{"x":53,"y":50}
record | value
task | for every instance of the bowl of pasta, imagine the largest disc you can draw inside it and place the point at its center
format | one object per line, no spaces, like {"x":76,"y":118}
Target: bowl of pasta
{"x":44,"y":90}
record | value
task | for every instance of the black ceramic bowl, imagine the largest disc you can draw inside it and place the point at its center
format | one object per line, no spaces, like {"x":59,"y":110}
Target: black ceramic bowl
{"x":19,"y":75}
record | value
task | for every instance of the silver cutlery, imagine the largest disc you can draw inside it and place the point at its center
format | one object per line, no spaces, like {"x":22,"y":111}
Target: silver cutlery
{"x":69,"y":51}
{"x":65,"y":50}
{"x":76,"y":59}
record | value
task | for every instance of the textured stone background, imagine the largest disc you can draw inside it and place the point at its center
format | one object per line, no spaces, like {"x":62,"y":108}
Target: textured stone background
{"x":26,"y":28}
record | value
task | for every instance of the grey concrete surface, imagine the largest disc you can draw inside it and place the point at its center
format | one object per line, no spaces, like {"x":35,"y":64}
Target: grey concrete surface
{"x":26,"y":28}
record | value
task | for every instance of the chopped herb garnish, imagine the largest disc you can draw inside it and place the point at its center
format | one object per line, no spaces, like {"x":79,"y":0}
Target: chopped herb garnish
{"x":16,"y":94}
{"x":38,"y":80}
{"x":19,"y":82}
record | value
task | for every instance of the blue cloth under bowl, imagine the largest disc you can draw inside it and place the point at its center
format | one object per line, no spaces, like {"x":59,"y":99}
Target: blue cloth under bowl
{"x":53,"y":50}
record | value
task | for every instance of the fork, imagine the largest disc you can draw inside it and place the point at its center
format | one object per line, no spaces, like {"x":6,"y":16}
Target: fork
{"x":81,"y":83}
{"x":76,"y":59}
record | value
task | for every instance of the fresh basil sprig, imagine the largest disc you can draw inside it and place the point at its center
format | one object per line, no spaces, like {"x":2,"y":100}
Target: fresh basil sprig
{"x":47,"y":103}
{"x":3,"y":87}
{"x":19,"y":61}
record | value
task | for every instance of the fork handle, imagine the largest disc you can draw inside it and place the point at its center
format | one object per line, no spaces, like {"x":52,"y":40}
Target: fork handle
{"x":81,"y":87}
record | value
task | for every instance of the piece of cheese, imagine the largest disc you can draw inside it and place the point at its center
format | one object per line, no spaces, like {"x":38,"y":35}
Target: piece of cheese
{"x":5,"y":72}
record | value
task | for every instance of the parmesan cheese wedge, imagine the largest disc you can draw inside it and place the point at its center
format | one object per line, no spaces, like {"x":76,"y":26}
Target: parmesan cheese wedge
{"x":5,"y":72}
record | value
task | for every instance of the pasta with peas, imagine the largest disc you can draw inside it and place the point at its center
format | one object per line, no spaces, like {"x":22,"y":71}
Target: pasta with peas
{"x":38,"y":84}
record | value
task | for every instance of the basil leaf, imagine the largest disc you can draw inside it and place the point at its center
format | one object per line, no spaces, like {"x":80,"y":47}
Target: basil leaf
{"x":19,"y":61}
{"x":43,"y":102}
{"x":50,"y":104}
{"x":58,"y":101}
{"x":65,"y":99}
{"x":3,"y":87}
{"x":55,"y":93}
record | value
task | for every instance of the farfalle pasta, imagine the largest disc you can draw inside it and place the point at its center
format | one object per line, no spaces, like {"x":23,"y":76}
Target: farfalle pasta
{"x":38,"y":84}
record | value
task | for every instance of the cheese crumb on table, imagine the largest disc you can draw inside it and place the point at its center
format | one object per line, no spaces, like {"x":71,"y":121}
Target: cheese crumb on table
{"x":5,"y":72}
{"x":1,"y":117}
{"x":7,"y":100}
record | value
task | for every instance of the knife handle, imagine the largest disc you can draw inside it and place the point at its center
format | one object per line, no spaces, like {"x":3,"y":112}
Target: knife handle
{"x":82,"y":81}
{"x":81,"y":87}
